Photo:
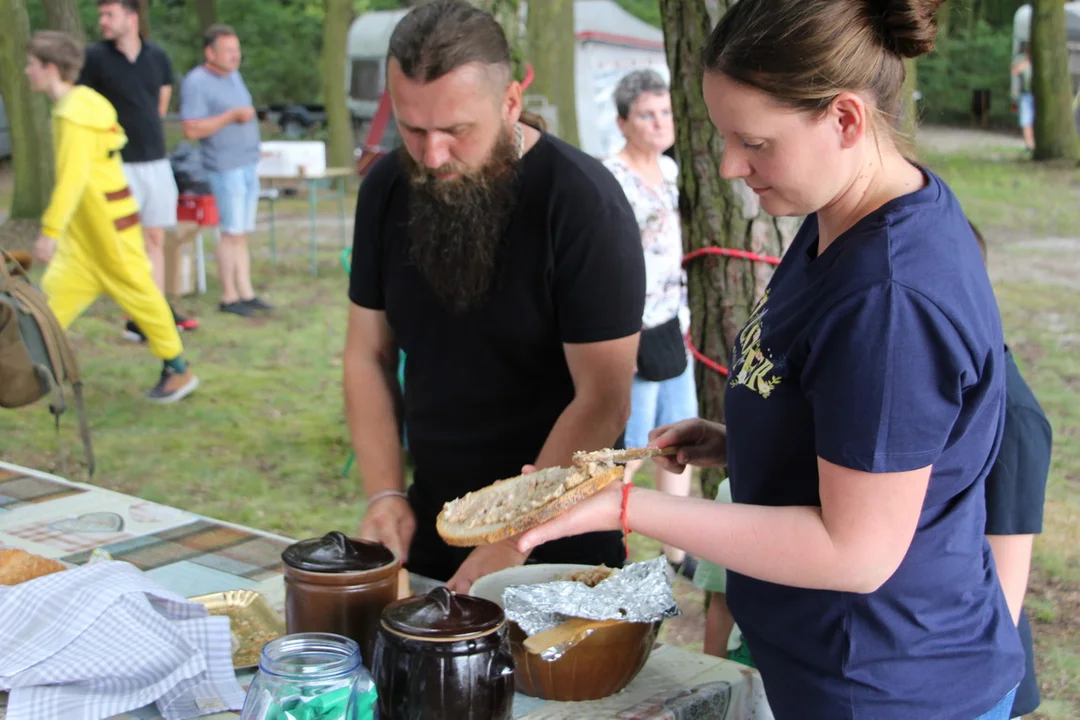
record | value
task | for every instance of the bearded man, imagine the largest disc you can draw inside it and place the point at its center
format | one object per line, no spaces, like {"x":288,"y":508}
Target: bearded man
{"x":507,"y":265}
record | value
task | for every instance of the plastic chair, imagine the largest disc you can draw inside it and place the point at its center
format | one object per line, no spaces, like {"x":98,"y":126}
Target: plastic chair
{"x":346,"y":262}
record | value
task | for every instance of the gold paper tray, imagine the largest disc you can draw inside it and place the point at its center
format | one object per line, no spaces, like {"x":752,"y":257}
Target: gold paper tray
{"x":251,"y":619}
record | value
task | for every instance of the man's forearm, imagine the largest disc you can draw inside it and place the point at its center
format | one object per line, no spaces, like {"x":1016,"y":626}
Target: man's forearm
{"x":373,"y":428}
{"x":205,"y":127}
{"x":583,"y":425}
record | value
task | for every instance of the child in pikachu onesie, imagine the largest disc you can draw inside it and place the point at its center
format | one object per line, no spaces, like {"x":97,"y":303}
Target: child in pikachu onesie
{"x":91,"y":235}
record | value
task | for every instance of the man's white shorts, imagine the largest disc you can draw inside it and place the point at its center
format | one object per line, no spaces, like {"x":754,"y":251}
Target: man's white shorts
{"x":154,"y":188}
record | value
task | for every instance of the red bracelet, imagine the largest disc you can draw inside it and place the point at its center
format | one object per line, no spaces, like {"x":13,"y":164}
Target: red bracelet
{"x":627,"y":484}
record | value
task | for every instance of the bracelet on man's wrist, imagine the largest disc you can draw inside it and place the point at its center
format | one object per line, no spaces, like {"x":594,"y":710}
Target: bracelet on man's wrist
{"x":385,"y":494}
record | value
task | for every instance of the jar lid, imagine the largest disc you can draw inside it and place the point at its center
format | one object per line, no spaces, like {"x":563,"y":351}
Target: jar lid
{"x":442,"y":615}
{"x":336,"y":553}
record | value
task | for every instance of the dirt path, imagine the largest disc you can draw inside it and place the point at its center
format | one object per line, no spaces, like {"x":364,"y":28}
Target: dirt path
{"x":940,"y":138}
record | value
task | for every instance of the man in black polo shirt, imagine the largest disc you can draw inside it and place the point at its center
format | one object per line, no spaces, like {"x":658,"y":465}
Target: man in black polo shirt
{"x":136,"y":77}
{"x":507,"y":265}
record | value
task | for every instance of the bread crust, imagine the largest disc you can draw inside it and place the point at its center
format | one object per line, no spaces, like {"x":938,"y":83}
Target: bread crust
{"x":17,"y":566}
{"x":457,"y":534}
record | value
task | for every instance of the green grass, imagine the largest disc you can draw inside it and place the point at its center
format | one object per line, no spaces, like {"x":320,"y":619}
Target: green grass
{"x":1004,"y":190}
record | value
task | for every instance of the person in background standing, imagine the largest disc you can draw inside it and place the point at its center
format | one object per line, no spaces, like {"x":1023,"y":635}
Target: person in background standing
{"x":136,"y":77}
{"x":1025,"y":99}
{"x":215,"y":106}
{"x":663,"y":391}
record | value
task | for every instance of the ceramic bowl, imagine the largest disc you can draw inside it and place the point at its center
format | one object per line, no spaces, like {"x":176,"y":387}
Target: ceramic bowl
{"x":602,"y":664}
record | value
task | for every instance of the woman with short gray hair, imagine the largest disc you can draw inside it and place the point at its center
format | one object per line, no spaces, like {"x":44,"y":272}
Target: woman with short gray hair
{"x":663,"y":390}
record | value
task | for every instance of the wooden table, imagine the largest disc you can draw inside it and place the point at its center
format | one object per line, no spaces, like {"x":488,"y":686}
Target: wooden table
{"x":330,"y":176}
{"x":193,"y":555}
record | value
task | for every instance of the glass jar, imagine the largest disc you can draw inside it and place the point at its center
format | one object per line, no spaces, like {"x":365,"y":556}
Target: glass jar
{"x":311,"y":676}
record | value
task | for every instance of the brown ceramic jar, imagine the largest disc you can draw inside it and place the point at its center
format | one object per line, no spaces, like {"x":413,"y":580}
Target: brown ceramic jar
{"x":336,"y":584}
{"x":443,"y":655}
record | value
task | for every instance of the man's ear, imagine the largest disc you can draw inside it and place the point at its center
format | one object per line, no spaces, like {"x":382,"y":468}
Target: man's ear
{"x":513,"y":102}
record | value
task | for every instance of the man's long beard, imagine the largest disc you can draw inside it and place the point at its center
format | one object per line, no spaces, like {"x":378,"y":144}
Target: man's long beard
{"x":456,"y":226}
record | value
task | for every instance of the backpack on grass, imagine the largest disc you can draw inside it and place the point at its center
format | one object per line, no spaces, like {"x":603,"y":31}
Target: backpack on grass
{"x":36,"y":358}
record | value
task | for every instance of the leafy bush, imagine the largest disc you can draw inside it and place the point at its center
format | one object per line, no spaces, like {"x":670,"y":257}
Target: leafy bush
{"x":963,"y":62}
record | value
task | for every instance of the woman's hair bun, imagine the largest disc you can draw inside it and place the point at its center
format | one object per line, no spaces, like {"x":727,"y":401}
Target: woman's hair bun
{"x":908,"y":27}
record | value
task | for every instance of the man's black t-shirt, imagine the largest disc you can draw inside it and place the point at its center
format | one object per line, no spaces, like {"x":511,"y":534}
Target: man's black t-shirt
{"x":484,"y":389}
{"x":134,"y":89}
{"x":1015,"y":492}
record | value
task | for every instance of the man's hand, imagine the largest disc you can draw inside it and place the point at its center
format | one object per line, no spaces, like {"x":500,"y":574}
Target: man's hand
{"x":484,"y":561}
{"x":390,"y":521}
{"x":700,"y":443}
{"x":44,"y":248}
{"x":243,"y":114}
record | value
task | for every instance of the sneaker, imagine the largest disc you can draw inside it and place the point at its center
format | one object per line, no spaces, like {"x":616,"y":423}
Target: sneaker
{"x":185,"y":323}
{"x":173,"y":386}
{"x":256,"y":303}
{"x":239,"y":307}
{"x":133,"y":333}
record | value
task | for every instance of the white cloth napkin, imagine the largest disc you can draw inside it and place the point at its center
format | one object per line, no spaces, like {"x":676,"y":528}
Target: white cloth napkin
{"x":103,"y":639}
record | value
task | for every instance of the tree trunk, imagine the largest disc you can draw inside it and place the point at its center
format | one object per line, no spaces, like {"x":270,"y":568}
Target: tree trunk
{"x":909,"y":109}
{"x":1055,"y":133}
{"x":28,"y":118}
{"x":713,"y":212}
{"x":207,"y":12}
{"x":144,"y":18}
{"x":63,"y":15}
{"x":338,"y":18}
{"x":550,"y":45}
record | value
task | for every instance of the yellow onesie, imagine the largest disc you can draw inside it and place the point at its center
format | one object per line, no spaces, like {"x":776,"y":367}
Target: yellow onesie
{"x":94,"y":218}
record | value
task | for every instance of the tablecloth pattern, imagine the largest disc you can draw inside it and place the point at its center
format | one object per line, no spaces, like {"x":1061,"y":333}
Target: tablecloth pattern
{"x":193,"y":555}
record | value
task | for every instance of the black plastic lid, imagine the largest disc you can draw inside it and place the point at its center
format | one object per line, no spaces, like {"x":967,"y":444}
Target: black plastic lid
{"x":336,"y":553}
{"x":443,"y":615}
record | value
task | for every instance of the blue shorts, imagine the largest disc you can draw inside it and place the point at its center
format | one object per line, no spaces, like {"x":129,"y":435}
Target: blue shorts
{"x":1026,"y":108}
{"x":653,"y":404}
{"x":1001,"y":711}
{"x":236,"y":193}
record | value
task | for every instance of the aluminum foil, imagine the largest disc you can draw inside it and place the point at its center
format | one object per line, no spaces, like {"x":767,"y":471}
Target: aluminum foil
{"x":640,"y":592}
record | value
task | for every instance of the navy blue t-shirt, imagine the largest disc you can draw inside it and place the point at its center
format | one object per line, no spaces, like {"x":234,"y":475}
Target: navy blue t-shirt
{"x":884,"y":354}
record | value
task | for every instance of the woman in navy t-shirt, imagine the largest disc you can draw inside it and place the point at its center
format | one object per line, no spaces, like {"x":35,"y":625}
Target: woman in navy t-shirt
{"x":866,"y":394}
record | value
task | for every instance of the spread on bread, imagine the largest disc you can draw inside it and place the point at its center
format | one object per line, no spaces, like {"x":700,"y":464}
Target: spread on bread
{"x":485,"y":507}
{"x":508,"y":507}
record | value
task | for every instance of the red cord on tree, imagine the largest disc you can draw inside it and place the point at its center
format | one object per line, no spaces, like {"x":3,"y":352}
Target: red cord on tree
{"x":698,"y":355}
{"x":627,"y":484}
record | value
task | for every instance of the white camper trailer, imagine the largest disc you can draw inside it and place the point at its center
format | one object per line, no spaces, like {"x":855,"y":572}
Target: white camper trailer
{"x":1022,"y":35}
{"x":610,"y":42}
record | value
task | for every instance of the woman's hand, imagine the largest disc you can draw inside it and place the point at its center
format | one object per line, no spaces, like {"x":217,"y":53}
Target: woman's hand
{"x":602,"y":511}
{"x":700,"y":443}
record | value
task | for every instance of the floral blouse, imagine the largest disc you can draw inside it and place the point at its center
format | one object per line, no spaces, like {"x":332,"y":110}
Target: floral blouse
{"x":657,"y":212}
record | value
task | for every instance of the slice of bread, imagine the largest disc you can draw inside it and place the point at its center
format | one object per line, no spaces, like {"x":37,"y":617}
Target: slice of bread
{"x":512,"y":506}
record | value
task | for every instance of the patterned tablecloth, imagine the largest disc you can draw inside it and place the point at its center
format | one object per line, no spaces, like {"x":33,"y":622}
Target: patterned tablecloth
{"x":193,"y":555}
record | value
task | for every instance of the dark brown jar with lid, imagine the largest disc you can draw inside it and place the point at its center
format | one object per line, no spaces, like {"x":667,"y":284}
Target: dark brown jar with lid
{"x":337,"y":584}
{"x":444,"y":655}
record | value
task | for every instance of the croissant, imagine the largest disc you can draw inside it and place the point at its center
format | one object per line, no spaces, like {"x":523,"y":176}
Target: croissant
{"x":18,"y":566}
